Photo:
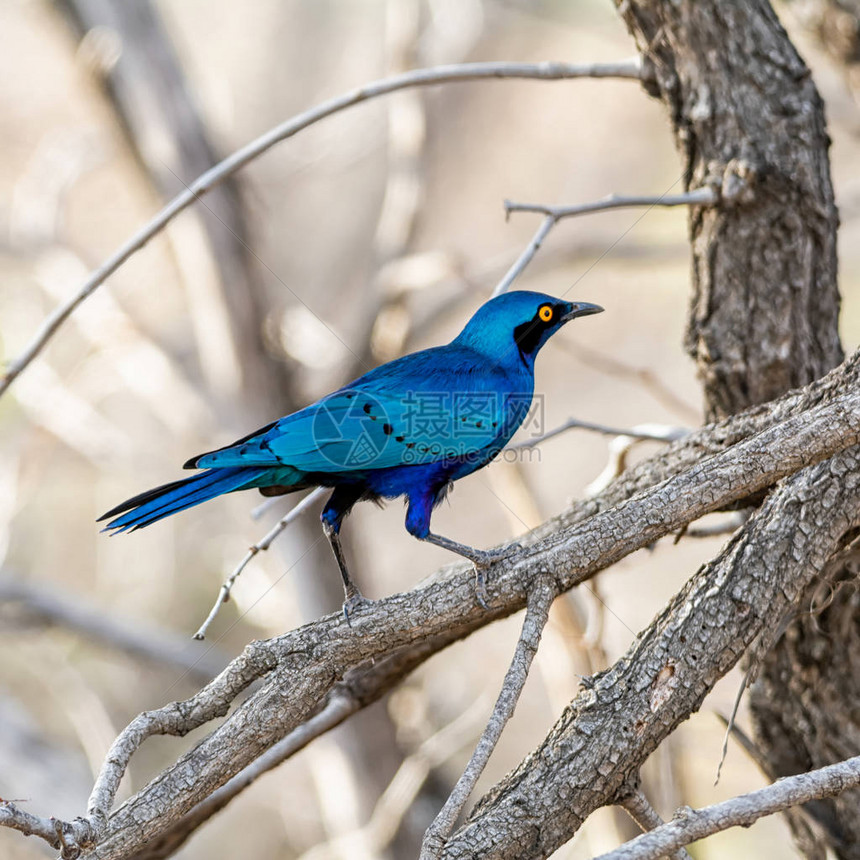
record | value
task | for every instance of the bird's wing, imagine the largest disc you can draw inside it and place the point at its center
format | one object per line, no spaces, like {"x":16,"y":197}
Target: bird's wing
{"x":406,"y":412}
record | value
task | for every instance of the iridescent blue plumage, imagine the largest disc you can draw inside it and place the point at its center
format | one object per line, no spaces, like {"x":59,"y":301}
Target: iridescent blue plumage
{"x":407,"y":428}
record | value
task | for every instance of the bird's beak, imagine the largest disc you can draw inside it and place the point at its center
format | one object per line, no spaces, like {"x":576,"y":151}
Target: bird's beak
{"x":581,"y":309}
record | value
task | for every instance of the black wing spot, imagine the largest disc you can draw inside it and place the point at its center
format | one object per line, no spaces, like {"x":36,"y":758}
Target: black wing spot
{"x":478,"y":424}
{"x":367,"y":407}
{"x":495,"y":424}
{"x":387,"y":429}
{"x":399,"y":438}
{"x":410,"y":444}
{"x":265,"y":446}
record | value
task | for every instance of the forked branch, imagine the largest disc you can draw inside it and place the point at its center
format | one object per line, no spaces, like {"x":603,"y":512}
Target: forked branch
{"x":705,"y":196}
{"x":604,"y":736}
{"x":301,"y":667}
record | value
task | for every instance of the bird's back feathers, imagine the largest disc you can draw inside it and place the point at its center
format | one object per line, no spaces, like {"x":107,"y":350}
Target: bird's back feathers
{"x":440,"y":403}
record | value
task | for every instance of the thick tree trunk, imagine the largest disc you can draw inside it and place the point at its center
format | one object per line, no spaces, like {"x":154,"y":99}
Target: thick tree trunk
{"x":763,"y":318}
{"x":746,"y":115}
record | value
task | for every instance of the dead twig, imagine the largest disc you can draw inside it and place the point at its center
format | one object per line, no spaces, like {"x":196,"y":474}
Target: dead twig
{"x":261,"y":546}
{"x":646,"y":432}
{"x":30,"y":825}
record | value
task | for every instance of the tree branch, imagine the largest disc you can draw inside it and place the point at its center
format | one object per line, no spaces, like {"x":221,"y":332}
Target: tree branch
{"x":706,"y":470}
{"x":358,"y":689}
{"x":705,"y":196}
{"x":549,"y":71}
{"x":30,"y":825}
{"x":644,"y":432}
{"x":688,"y":825}
{"x":540,"y":599}
{"x":364,"y":686}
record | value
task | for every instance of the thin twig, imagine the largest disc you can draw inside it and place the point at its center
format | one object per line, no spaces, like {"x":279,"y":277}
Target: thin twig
{"x":653,"y":432}
{"x":730,"y":723}
{"x":639,"y":808}
{"x":745,"y":742}
{"x":524,"y":259}
{"x":688,"y":825}
{"x":630,"y":69}
{"x":540,"y":599}
{"x":261,"y":545}
{"x":705,"y":196}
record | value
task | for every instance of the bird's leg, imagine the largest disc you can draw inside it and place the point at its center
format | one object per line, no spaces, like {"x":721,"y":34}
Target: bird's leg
{"x":418,"y":525}
{"x":338,"y":506}
{"x":482,"y":558}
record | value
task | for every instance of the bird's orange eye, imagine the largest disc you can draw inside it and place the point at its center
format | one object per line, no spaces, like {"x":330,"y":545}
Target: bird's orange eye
{"x":545,"y":313}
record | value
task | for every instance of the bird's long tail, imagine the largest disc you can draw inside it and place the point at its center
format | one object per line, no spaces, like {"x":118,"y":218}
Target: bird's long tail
{"x":155,"y":504}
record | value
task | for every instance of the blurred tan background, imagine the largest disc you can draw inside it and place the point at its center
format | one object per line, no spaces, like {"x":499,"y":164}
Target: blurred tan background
{"x":373,"y":233}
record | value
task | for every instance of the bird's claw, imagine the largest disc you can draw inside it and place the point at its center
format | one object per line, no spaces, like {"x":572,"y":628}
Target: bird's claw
{"x":488,"y":557}
{"x":353,"y":603}
{"x":485,"y":559}
{"x":481,"y":588}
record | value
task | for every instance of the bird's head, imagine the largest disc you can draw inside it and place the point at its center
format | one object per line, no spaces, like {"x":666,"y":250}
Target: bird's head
{"x":518,"y":324}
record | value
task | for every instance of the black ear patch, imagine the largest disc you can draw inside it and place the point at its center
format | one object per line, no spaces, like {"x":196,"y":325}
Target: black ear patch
{"x":527,"y":335}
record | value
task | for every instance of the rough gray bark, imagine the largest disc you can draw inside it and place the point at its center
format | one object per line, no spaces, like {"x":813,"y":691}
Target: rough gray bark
{"x":763,"y":318}
{"x":806,"y":700}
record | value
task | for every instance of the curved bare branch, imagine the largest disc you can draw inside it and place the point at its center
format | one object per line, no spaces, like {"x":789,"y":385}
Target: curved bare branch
{"x":548,"y":71}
